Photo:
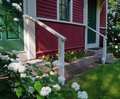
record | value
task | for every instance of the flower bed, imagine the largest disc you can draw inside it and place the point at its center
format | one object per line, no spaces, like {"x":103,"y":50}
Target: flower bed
{"x":70,"y":56}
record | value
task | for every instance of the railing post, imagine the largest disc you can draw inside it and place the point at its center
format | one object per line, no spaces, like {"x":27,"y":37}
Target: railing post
{"x":104,"y":50}
{"x":61,"y":55}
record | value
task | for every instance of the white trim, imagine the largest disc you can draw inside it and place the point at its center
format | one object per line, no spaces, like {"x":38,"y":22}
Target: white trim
{"x":97,"y":26}
{"x":70,"y":11}
{"x":58,"y":10}
{"x":106,"y":12}
{"x":85,"y":21}
{"x":59,"y":21}
{"x":103,"y":28}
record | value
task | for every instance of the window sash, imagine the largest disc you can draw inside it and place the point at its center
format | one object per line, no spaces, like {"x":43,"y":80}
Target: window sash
{"x":64,"y":10}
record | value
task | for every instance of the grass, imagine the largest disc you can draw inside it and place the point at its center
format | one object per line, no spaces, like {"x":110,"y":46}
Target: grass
{"x":102,"y":82}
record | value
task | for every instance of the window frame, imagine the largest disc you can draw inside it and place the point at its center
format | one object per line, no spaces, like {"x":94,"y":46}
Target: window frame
{"x":70,"y":11}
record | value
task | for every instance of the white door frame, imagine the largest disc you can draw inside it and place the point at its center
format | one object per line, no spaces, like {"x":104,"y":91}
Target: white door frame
{"x":97,"y":24}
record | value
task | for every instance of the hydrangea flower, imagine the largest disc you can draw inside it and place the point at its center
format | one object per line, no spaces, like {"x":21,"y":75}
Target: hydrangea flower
{"x":14,"y":52}
{"x":116,"y":46}
{"x":4,"y":58}
{"x":1,"y":48}
{"x":16,"y":19}
{"x":82,"y":95}
{"x":45,"y":91}
{"x":8,"y":0}
{"x":16,"y":66}
{"x":1,"y":2}
{"x":57,"y":87}
{"x":31,"y":89}
{"x":21,"y":69}
{"x":23,"y":75}
{"x":75,"y":86}
{"x":17,"y":6}
{"x":61,"y":80}
{"x":58,"y":63}
{"x":118,"y":35}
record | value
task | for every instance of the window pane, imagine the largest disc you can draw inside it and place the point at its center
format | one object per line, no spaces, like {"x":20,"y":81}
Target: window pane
{"x":64,"y":10}
{"x":63,"y":2}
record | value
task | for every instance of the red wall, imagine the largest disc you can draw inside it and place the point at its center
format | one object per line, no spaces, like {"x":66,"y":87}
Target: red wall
{"x":101,"y":38}
{"x":103,"y":16}
{"x":47,"y":43}
{"x":78,"y":6}
{"x":47,"y":9}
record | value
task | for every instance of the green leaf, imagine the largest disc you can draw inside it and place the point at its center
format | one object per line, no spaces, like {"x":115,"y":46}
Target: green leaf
{"x":54,"y":78}
{"x":39,"y":97}
{"x":47,"y":65}
{"x":35,"y":66}
{"x":19,"y":92}
{"x":39,"y":72}
{"x":38,"y":86}
{"x":3,"y":86}
{"x":25,"y":85}
{"x":17,"y":84}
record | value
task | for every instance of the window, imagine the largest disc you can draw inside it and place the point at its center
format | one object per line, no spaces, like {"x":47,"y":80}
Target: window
{"x":64,"y":10}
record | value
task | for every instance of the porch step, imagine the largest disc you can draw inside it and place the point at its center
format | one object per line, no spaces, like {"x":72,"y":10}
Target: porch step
{"x":112,"y":60}
{"x":71,"y":69}
{"x":95,"y":51}
{"x":109,"y":56}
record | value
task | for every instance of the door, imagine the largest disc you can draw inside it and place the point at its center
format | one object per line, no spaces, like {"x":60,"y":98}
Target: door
{"x":12,"y":38}
{"x":91,"y":38}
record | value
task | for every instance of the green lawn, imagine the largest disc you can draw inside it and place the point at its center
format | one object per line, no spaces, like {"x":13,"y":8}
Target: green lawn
{"x":102,"y":82}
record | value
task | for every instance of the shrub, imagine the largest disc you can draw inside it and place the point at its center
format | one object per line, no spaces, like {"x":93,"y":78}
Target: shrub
{"x":17,"y":81}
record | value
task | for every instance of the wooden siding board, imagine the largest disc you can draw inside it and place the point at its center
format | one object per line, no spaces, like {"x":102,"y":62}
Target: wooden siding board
{"x":103,"y":16}
{"x":47,"y":9}
{"x":78,"y":11}
{"x":101,"y":38}
{"x":48,"y":43}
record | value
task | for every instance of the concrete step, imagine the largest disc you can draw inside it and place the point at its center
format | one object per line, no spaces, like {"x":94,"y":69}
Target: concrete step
{"x":112,"y":60}
{"x":95,"y":51}
{"x":109,"y":56}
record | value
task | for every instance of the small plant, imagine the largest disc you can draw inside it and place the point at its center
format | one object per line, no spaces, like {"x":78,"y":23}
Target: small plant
{"x":69,"y":56}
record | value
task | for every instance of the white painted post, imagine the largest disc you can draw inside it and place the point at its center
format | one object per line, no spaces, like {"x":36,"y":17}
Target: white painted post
{"x":61,"y":55}
{"x":104,"y":50}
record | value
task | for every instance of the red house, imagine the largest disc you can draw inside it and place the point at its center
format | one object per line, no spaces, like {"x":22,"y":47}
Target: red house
{"x":70,"y":18}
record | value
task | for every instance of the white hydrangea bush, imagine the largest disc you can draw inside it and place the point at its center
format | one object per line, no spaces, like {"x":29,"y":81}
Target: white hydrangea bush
{"x":41,"y":86}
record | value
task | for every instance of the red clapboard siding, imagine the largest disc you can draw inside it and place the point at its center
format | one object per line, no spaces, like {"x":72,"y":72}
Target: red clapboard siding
{"x":48,"y":43}
{"x":103,"y":16}
{"x":101,"y":38}
{"x":78,"y":6}
{"x":47,"y":9}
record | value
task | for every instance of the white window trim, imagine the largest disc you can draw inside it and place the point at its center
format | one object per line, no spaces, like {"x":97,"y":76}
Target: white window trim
{"x":60,"y":21}
{"x":70,"y":11}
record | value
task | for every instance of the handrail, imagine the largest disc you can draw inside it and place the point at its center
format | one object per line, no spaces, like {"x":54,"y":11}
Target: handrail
{"x":61,"y":40}
{"x":104,"y":44}
{"x":97,"y":32}
{"x":46,"y":27}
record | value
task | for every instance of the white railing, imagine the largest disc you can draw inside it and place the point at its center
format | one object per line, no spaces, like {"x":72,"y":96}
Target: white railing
{"x":61,"y":41}
{"x":104,"y":44}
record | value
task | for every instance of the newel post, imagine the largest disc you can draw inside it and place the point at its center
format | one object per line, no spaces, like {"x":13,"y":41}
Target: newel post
{"x":61,"y":55}
{"x":104,"y":50}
